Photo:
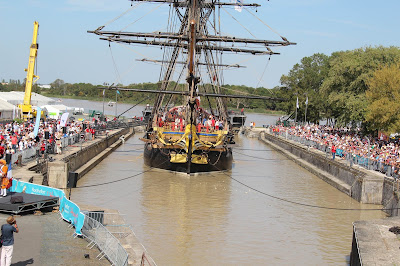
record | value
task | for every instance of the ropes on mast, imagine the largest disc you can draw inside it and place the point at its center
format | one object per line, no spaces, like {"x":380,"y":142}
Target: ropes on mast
{"x":265,"y":68}
{"x":119,"y":16}
{"x":239,"y":22}
{"x":283,"y":38}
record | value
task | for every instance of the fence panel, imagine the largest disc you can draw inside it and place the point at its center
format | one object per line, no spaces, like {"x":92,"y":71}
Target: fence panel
{"x":104,"y":239}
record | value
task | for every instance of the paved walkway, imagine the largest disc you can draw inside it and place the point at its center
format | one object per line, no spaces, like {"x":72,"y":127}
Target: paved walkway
{"x":46,"y":240}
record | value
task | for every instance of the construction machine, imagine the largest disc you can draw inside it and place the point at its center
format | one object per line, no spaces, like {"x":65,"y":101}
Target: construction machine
{"x":26,"y":108}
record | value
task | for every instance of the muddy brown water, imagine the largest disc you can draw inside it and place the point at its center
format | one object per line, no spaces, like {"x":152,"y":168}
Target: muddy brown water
{"x":216,"y":219}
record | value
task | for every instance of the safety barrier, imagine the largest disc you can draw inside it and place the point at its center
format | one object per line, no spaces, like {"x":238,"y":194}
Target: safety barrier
{"x":27,"y":155}
{"x":350,"y":158}
{"x":70,"y":140}
{"x":107,"y":243}
{"x":112,"y":222}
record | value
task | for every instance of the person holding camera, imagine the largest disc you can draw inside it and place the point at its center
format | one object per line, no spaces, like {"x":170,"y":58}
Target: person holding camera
{"x":7,"y":232}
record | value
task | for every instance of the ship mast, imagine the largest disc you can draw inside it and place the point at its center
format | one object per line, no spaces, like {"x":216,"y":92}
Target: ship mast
{"x":191,"y":79}
{"x":195,"y":40}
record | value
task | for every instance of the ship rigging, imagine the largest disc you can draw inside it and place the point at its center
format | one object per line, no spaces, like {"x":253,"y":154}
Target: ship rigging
{"x":190,"y":137}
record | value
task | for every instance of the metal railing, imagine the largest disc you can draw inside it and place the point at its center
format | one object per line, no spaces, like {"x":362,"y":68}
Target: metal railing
{"x":27,"y":155}
{"x":122,"y":232}
{"x":107,"y":243}
{"x":350,"y":158}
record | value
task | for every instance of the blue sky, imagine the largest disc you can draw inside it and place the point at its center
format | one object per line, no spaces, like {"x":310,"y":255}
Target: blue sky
{"x":67,"y":52}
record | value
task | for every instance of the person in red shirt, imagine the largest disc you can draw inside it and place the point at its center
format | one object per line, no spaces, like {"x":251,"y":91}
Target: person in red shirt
{"x":2,"y":150}
{"x":333,"y":150}
{"x":14,"y":141}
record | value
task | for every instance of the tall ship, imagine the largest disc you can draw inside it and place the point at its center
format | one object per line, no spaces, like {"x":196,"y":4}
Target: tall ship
{"x":189,"y":129}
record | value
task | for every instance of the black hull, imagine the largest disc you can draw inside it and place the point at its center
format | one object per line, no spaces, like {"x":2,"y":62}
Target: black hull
{"x":159,"y":158}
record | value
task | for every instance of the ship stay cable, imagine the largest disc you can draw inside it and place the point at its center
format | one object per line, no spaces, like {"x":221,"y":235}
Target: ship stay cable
{"x":262,"y":75}
{"x":119,"y":16}
{"x":239,"y":22}
{"x":118,"y":79}
{"x":151,"y":11}
{"x":144,"y":99}
{"x":283,"y":38}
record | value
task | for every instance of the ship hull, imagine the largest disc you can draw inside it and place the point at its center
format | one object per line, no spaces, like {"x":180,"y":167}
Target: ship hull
{"x":160,"y":158}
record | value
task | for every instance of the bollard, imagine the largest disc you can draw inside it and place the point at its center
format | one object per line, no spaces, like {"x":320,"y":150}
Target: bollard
{"x":20,"y":160}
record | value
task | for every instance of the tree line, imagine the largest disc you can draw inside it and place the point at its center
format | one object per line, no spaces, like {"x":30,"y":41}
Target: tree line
{"x":349,"y":88}
{"x":358,"y":87}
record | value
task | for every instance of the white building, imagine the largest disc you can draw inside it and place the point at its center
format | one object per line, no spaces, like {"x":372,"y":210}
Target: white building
{"x":44,"y":86}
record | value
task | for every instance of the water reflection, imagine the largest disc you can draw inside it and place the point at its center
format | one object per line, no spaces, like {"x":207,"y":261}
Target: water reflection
{"x":188,"y":215}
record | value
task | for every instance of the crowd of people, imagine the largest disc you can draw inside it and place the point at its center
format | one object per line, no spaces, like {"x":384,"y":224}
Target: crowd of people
{"x":345,"y":142}
{"x":16,"y":137}
{"x":174,"y":120}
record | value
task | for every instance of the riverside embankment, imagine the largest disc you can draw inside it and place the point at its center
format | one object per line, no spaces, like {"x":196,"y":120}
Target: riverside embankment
{"x":366,"y":186}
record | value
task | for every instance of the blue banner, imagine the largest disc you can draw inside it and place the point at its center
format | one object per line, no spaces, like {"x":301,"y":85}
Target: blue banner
{"x":38,"y":114}
{"x":72,"y":213}
{"x":29,"y":188}
{"x":69,"y":210}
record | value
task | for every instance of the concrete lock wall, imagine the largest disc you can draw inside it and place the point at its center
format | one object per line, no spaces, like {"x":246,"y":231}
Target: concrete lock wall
{"x":83,"y":156}
{"x":391,"y":196}
{"x":58,"y":171}
{"x":360,"y":184}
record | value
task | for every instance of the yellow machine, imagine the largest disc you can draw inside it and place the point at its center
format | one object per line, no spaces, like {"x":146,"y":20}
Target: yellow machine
{"x":26,"y":107}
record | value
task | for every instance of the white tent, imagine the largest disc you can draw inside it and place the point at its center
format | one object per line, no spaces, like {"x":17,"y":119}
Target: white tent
{"x":8,"y":110}
{"x":17,"y":97}
{"x":55,"y":111}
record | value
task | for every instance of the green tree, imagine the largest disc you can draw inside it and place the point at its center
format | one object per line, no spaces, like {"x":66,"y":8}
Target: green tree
{"x":304,"y":80}
{"x":348,"y":74}
{"x":383,"y":95}
{"x":58,"y":86}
